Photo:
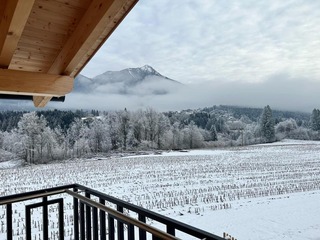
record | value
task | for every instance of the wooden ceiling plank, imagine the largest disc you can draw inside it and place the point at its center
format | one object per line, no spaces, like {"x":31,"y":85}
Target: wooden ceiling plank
{"x":42,"y":23}
{"x":56,"y":17}
{"x":63,"y":9}
{"x":76,"y":3}
{"x":54,"y":42}
{"x":42,"y":43}
{"x":29,"y":68}
{"x":98,"y":16}
{"x":33,"y":56}
{"x":36,"y":84}
{"x":36,"y":49}
{"x":44,"y":34}
{"x":30,"y":62}
{"x":12,"y":24}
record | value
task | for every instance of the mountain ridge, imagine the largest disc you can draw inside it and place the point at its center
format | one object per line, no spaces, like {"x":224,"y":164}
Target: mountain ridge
{"x":143,"y":80}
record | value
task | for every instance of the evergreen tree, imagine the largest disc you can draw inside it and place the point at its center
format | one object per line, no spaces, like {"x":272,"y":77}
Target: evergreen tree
{"x":213,"y":133}
{"x":315,"y":120}
{"x":267,"y":125}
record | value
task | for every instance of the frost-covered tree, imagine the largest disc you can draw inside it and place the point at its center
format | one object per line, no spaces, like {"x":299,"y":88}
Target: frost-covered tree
{"x":113,"y":130}
{"x":301,"y":133}
{"x":137,"y":127}
{"x":285,"y":128}
{"x":248,"y":137}
{"x":213,"y":133}
{"x":61,"y":146}
{"x":163,"y":125}
{"x":176,"y":136}
{"x":32,"y":126}
{"x":221,"y":126}
{"x":14,"y":143}
{"x":192,"y":136}
{"x":315,"y":120}
{"x":151,"y":117}
{"x":267,"y":125}
{"x":77,"y":138}
{"x":124,"y":127}
{"x":98,"y":135}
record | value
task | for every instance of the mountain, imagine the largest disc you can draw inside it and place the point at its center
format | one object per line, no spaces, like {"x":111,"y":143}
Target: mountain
{"x":131,"y":81}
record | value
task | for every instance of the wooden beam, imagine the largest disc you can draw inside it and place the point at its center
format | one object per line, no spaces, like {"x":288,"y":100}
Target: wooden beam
{"x":35,"y":84}
{"x":100,"y":19}
{"x":7,"y":11}
{"x":40,"y":101}
{"x":13,"y":21}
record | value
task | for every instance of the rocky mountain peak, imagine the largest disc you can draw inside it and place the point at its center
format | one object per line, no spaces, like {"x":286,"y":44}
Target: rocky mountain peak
{"x":148,"y":68}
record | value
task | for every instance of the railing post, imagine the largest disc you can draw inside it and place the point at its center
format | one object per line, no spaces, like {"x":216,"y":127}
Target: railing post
{"x":142,"y":233}
{"x":131,"y":232}
{"x":76,"y":216}
{"x":120,"y":224}
{"x":102,"y":221}
{"x":28,"y":223}
{"x":111,"y":227}
{"x":95,"y":223}
{"x":88,"y":218}
{"x":82,"y":222}
{"x":171,"y":230}
{"x":61,"y":221}
{"x":45,"y":217}
{"x":9,"y":221}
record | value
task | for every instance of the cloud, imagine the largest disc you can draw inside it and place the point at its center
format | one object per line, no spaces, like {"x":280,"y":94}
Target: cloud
{"x":244,"y":52}
{"x":303,"y":96}
{"x":206,"y":40}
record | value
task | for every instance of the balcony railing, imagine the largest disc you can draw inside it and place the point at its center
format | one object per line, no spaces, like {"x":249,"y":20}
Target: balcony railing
{"x":95,"y":215}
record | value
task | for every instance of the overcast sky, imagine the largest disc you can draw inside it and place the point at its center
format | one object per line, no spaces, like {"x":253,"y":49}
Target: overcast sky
{"x":238,"y":48}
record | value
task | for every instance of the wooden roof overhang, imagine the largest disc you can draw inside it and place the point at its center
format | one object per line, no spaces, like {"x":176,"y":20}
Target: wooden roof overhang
{"x":44,"y":44}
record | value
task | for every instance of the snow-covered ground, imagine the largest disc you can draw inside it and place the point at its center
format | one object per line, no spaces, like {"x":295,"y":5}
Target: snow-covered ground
{"x":269,"y":191}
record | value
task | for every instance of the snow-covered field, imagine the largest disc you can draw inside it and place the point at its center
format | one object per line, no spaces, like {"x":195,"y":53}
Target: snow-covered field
{"x":269,"y":191}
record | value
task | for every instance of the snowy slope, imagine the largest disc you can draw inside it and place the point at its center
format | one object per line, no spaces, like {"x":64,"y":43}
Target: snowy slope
{"x":260,"y":192}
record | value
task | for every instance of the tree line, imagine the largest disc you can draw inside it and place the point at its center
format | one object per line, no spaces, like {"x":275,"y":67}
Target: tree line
{"x":45,"y":136}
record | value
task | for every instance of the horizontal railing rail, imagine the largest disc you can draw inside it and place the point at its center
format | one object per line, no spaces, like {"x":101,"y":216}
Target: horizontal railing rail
{"x":171,"y":224}
{"x":124,"y":218}
{"x":92,"y":218}
{"x":34,"y":194}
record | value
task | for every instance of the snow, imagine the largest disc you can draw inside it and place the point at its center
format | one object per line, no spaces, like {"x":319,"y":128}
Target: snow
{"x":147,"y":68}
{"x":295,"y":216}
{"x":201,"y":152}
{"x":269,"y":191}
{"x":10,"y":164}
{"x":290,"y":142}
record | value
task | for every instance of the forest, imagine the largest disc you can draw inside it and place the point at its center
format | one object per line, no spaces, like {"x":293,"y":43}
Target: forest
{"x":45,"y":136}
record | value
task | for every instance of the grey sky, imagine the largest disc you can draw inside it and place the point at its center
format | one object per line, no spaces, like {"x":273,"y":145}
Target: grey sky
{"x":244,"y":43}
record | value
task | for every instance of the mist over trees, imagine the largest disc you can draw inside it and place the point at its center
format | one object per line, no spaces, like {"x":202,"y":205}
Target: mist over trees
{"x":44,"y":136}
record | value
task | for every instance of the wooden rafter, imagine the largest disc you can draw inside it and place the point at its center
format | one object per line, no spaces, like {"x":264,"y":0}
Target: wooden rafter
{"x":13,"y":20}
{"x":96,"y":25}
